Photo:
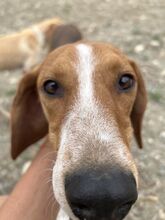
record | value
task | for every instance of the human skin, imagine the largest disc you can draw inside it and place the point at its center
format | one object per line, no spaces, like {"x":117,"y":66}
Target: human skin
{"x":32,"y":198}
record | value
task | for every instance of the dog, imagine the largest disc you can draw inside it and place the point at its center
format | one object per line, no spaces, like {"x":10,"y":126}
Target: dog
{"x":29,"y":47}
{"x":89,"y":98}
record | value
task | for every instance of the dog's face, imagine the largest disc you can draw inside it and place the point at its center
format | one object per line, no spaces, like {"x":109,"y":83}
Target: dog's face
{"x":92,"y":96}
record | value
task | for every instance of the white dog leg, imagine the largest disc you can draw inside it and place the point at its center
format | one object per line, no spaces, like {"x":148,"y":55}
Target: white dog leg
{"x":62,"y":215}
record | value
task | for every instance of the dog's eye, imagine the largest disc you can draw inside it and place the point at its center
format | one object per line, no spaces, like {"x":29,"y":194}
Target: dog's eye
{"x":53,"y":88}
{"x":126,"y":82}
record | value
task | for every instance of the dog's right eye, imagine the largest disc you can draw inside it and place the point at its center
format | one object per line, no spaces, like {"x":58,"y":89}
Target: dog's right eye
{"x":53,"y":88}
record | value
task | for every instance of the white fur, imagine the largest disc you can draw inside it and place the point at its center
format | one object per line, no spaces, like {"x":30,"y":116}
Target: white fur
{"x":34,"y":55}
{"x":62,"y":215}
{"x":24,"y":47}
{"x":85,"y":69}
{"x":89,"y":130}
{"x":39,"y":35}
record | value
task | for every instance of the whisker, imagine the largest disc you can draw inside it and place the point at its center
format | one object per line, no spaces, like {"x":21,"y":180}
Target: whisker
{"x":50,"y":198}
{"x":52,"y":202}
{"x":48,"y":154}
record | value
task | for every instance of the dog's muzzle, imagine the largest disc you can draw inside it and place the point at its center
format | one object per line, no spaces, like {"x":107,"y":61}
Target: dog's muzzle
{"x":100,"y":194}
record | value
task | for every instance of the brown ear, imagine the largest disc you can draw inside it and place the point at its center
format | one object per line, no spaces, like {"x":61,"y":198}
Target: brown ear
{"x":64,"y":34}
{"x":28,"y":123}
{"x":139,"y":106}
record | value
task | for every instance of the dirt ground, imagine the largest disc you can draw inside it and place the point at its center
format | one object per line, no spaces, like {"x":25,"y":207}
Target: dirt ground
{"x":139,"y":30}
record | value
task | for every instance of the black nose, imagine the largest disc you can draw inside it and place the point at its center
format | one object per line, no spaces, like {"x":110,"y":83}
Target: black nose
{"x":100,"y":194}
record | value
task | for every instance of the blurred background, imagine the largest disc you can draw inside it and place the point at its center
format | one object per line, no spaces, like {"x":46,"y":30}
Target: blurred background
{"x":137,"y":28}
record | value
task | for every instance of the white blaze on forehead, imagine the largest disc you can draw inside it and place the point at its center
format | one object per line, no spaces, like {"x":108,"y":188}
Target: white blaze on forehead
{"x":85,"y":69}
{"x":88,"y":107}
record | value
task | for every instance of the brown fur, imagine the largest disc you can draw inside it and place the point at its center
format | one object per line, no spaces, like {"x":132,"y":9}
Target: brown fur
{"x":32,"y":130}
{"x":65,"y":33}
{"x":139,"y":106}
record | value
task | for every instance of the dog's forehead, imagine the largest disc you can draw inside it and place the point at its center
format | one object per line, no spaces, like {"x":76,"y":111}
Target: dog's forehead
{"x":68,"y":55}
{"x":63,"y":62}
{"x":60,"y":59}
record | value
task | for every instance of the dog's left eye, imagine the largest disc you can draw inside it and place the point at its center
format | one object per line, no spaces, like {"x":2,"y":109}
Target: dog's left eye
{"x":53,"y":88}
{"x":126,"y":82}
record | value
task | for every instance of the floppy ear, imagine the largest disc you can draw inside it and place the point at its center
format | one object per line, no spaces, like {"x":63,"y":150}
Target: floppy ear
{"x":64,"y":34}
{"x":28,"y":123}
{"x":139,"y":106}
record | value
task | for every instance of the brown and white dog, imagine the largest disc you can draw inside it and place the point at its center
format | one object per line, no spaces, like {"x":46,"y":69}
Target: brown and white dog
{"x":29,"y":47}
{"x":88,"y":97}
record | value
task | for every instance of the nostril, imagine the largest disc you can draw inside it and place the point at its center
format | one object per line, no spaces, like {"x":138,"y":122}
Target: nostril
{"x":81,"y":210}
{"x":122,"y":211}
{"x":77,"y":211}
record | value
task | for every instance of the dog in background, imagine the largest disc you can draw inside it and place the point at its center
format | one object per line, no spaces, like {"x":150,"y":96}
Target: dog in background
{"x":29,"y":47}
